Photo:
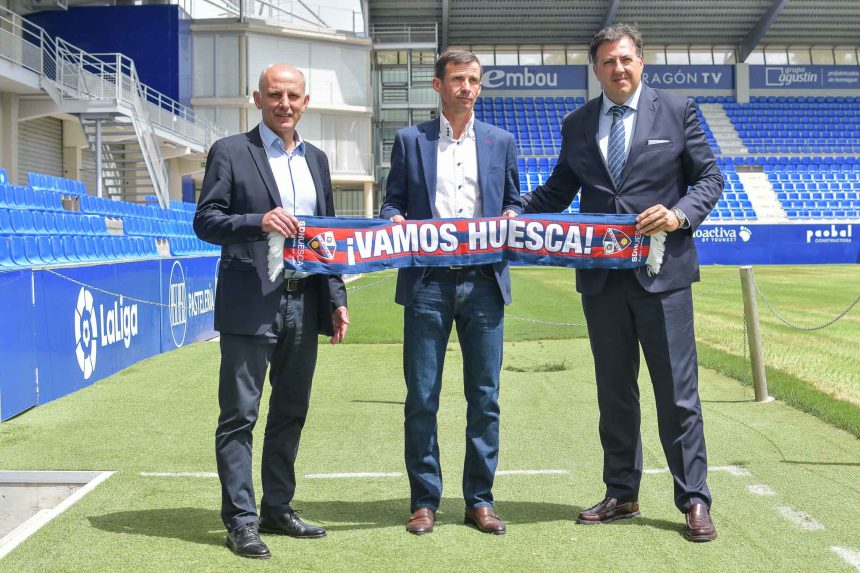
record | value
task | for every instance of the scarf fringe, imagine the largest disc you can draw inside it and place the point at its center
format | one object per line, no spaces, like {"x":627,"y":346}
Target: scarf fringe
{"x":276,"y":255}
{"x":655,"y":253}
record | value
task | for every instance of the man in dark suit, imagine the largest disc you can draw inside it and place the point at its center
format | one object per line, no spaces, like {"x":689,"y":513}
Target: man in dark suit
{"x":453,"y":167}
{"x":255,"y":184}
{"x":640,"y":150}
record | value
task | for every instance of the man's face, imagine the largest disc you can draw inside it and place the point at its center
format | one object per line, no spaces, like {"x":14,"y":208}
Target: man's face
{"x":618,"y":69}
{"x":282,"y":99}
{"x":459,"y":89}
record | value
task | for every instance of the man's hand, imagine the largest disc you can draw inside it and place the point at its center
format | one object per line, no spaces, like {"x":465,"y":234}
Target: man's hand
{"x":339,"y":323}
{"x":279,"y":221}
{"x":657,"y":218}
{"x":397,"y":219}
{"x":509,"y":213}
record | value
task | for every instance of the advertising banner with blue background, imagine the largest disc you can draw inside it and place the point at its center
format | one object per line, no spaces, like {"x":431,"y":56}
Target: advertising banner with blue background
{"x":18,"y":384}
{"x":189,"y":297}
{"x":799,"y":244}
{"x":534,"y":78}
{"x":94,"y":321}
{"x":689,"y":77}
{"x":804,"y":77}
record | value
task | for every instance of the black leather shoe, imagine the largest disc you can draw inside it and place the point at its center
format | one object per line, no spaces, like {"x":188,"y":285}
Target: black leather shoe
{"x":607,"y":511}
{"x":244,"y":541}
{"x":290,"y":524}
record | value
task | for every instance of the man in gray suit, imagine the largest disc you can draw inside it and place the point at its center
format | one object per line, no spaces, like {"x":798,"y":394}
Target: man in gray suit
{"x":255,"y":184}
{"x":642,"y":151}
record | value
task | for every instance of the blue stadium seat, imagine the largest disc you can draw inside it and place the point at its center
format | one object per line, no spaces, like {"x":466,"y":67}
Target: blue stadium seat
{"x":31,"y":250}
{"x":17,"y":251}
{"x":44,"y":245}
{"x":5,"y":223}
{"x":57,"y":252}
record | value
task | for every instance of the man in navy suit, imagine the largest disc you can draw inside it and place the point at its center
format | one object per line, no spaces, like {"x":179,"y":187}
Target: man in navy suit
{"x":255,"y":184}
{"x":640,"y":150}
{"x":453,"y":167}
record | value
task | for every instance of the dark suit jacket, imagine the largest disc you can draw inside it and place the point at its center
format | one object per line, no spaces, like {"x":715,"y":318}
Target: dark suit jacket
{"x":680,"y":173}
{"x":238,"y":189}
{"x":410,"y":190}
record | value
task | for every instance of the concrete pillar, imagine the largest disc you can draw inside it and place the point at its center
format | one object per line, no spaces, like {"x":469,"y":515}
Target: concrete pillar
{"x":368,"y":199}
{"x":742,"y":83}
{"x":9,"y":135}
{"x":74,"y":144}
{"x":174,"y":179}
{"x":594,"y":88}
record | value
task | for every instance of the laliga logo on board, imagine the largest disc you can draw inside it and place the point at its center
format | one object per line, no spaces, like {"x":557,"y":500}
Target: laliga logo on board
{"x":324,"y":245}
{"x":86,"y":333}
{"x":615,"y":241}
{"x":118,"y":324}
{"x":177,"y":308}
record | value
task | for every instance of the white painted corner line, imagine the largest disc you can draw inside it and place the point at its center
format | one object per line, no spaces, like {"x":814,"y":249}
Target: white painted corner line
{"x":735,"y":471}
{"x":32,"y":525}
{"x":354,"y":475}
{"x":760,"y":489}
{"x":530,"y":472}
{"x":180,"y":474}
{"x":800,"y":519}
{"x":849,"y":555}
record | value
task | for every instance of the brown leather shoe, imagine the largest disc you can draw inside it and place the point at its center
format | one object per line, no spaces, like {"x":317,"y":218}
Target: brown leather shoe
{"x":421,"y":521}
{"x":699,"y":524}
{"x":607,"y":511}
{"x":485,"y":519}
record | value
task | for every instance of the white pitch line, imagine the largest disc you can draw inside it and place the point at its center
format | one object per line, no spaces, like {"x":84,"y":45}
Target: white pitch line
{"x":800,"y":519}
{"x":736,"y":471}
{"x":180,"y":474}
{"x":355,"y":475}
{"x":530,"y":472}
{"x":760,"y":489}
{"x":849,"y":555}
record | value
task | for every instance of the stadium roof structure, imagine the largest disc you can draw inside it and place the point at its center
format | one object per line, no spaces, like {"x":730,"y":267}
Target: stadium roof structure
{"x":743,"y":23}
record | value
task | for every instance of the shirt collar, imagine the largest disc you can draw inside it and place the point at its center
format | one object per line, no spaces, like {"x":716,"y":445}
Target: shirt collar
{"x":446,"y":132}
{"x":632,"y":102}
{"x":271,"y":139}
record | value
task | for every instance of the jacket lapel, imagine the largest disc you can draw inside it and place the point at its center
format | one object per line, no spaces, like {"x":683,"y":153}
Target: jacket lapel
{"x":258,"y":153}
{"x":647,"y":111}
{"x":483,"y":146}
{"x":428,"y":144}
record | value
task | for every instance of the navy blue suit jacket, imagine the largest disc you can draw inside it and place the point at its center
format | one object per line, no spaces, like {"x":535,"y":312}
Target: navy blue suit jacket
{"x":679,"y":172}
{"x":410,"y":190}
{"x":238,"y":189}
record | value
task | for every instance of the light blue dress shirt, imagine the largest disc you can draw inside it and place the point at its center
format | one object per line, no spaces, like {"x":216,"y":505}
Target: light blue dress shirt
{"x":629,"y":120}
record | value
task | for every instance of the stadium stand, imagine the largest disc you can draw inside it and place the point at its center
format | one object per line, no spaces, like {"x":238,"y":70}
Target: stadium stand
{"x":788,"y":124}
{"x":53,"y":221}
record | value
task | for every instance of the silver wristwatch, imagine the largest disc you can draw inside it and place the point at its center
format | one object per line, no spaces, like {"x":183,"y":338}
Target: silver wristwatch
{"x":681,"y":217}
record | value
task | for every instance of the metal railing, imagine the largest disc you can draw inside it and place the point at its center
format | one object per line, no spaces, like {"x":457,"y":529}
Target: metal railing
{"x":404,"y":34}
{"x":91,"y":76}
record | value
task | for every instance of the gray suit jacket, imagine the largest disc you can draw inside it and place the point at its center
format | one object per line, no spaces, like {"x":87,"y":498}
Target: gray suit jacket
{"x":680,"y":173}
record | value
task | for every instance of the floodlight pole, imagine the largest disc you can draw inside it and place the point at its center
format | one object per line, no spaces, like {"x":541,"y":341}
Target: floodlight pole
{"x":754,"y":334}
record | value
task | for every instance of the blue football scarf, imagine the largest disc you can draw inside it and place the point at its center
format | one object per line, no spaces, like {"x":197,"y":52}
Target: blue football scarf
{"x":329,"y":245}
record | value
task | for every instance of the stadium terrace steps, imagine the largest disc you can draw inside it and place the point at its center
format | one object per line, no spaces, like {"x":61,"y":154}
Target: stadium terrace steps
{"x":762,"y":197}
{"x":723,"y":130}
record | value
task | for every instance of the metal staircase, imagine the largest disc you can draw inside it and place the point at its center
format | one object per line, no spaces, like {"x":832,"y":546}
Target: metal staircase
{"x":121,"y":136}
{"x":123,"y":119}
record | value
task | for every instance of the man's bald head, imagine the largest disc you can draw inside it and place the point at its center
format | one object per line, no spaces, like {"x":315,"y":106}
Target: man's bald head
{"x":276,"y":70}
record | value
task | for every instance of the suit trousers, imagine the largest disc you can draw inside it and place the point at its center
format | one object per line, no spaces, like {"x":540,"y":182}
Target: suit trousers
{"x":470,"y":297}
{"x":620,"y":318}
{"x":289,"y":347}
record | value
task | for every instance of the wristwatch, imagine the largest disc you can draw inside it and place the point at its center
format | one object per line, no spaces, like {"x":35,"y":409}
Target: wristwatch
{"x":681,"y":218}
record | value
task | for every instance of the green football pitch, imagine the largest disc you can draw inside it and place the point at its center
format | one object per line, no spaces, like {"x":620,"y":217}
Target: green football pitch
{"x":786,"y":484}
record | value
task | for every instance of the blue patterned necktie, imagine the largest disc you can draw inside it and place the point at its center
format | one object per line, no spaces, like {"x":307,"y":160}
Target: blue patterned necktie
{"x":615,"y":155}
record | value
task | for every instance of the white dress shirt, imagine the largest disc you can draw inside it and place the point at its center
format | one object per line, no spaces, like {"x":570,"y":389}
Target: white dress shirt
{"x":457,"y":190}
{"x":629,"y":119}
{"x":292,"y":176}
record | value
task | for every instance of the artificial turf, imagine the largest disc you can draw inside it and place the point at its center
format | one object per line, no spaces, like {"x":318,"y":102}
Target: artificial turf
{"x":159,"y":416}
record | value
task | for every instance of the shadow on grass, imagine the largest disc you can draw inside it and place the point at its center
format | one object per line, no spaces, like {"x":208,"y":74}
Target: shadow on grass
{"x":190,"y":524}
{"x":804,"y":463}
{"x":203,"y":526}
